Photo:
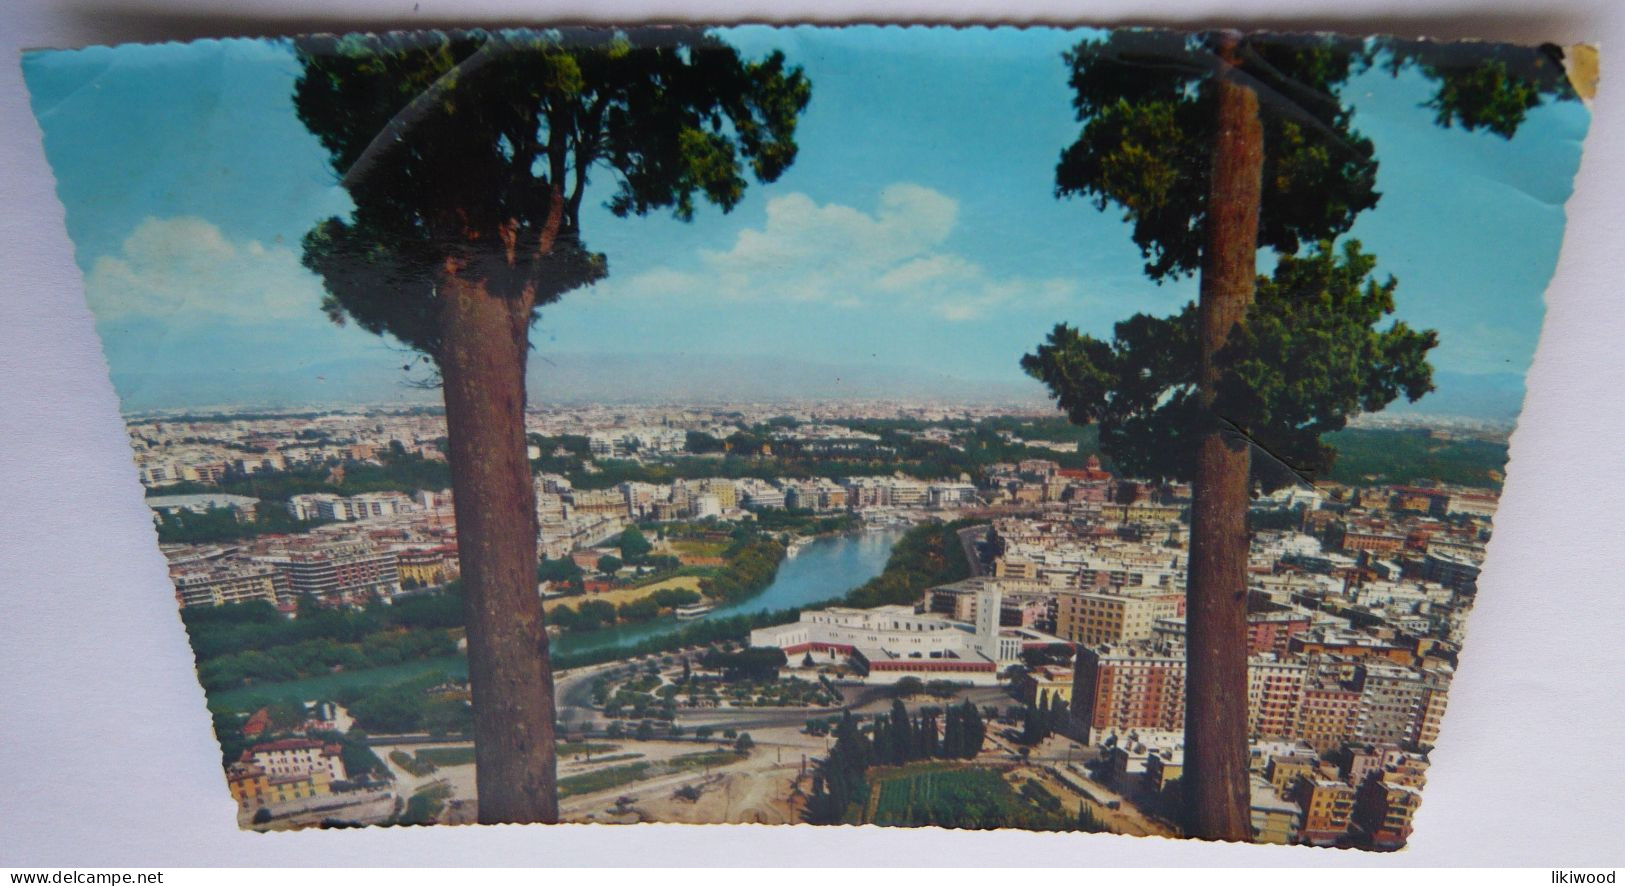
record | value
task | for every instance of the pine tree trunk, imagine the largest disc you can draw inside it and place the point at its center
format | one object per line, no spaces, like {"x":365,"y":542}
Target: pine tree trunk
{"x":1216,"y":786}
{"x":482,"y":365}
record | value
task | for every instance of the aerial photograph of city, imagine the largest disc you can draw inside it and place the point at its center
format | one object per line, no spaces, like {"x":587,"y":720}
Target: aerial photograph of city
{"x":1061,"y":430}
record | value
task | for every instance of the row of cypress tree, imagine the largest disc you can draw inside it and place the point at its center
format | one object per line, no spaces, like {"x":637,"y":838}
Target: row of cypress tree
{"x":840,"y":779}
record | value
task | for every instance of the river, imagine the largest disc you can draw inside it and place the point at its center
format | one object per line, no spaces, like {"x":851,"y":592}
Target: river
{"x":825,"y":569}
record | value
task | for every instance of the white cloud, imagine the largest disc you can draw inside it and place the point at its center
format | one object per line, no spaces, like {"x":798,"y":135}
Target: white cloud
{"x":185,"y":269}
{"x":847,"y":257}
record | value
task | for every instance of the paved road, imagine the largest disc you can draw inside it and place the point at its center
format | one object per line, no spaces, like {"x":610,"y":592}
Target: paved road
{"x":575,"y":704}
{"x":970,"y":538}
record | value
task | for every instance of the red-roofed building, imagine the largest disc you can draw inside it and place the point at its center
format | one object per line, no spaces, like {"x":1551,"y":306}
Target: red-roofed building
{"x":257,"y":724}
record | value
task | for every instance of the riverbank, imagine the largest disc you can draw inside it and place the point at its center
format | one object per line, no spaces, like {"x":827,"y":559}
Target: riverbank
{"x":824,"y":572}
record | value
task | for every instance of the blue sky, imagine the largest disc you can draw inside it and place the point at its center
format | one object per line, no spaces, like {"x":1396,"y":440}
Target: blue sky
{"x":917,"y":228}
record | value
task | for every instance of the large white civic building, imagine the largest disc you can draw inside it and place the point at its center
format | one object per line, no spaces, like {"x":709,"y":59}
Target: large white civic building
{"x":893,"y":642}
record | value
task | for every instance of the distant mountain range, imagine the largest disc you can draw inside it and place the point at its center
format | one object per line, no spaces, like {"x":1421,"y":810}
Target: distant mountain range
{"x":1489,"y":396}
{"x":686,"y":378}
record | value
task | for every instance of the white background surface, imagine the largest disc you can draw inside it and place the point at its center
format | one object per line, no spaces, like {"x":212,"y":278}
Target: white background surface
{"x":106,"y":757}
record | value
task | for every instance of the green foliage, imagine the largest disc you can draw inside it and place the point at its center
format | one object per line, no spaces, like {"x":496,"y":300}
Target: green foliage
{"x":839,"y":779}
{"x":588,"y":615}
{"x":221,"y":524}
{"x":279,"y":653}
{"x":477,"y":146}
{"x":634,"y":546}
{"x":1035,"y":726}
{"x":409,"y":708}
{"x":1145,"y":101}
{"x":963,"y":732}
{"x":561,"y":570}
{"x":701,"y":442}
{"x":1307,"y":355}
{"x":1490,"y":86}
{"x":397,"y":472}
{"x":1316,"y":314}
{"x":638,"y":610}
{"x":425,"y":805}
{"x":1146,"y":98}
{"x":1090,"y":823}
{"x":412,"y":765}
{"x":609,"y":565}
{"x":971,"y":798}
{"x":752,"y":562}
{"x":359,"y":759}
{"x":671,"y":598}
{"x":1369,"y":455}
{"x":615,"y":776}
{"x":1039,"y":796}
{"x":755,"y":663}
{"x":460,"y":756}
{"x":252,"y":642}
{"x":926,"y":556}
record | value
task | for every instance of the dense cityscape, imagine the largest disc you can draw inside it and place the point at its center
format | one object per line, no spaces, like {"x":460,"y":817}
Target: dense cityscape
{"x":847,"y":613}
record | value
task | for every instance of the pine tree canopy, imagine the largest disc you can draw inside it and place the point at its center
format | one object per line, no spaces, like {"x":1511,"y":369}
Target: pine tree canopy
{"x":1145,"y":99}
{"x":476,"y":148}
{"x":1309,"y":356}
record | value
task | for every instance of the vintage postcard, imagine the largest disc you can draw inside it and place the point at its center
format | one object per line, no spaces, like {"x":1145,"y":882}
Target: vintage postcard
{"x":1064,"y":430}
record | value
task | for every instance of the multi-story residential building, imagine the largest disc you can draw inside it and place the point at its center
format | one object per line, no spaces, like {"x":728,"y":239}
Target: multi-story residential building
{"x":1120,"y":688}
{"x":1273,"y":631}
{"x":559,"y":538}
{"x":424,"y":567}
{"x":761,"y":495}
{"x":1478,"y":503}
{"x":1274,"y":695}
{"x":1274,"y":819}
{"x":261,"y":463}
{"x":1044,"y":686}
{"x":233,"y":583}
{"x":1454,"y":568}
{"x":297,"y":756}
{"x":606,"y":502}
{"x":641,"y":497}
{"x":551,"y":508}
{"x":366,"y":506}
{"x":1384,"y":812}
{"x":1391,"y":703}
{"x":950,"y":495}
{"x":347,"y":573}
{"x":242,"y":507}
{"x":1377,"y":542}
{"x":1328,"y":807}
{"x":1092,"y":619}
{"x":908,"y":493}
{"x":1284,"y":770}
{"x":1330,"y":714}
{"x":727,"y":495}
{"x":1435,"y":696}
{"x":1163,"y":768}
{"x":254,"y":788}
{"x":1357,"y":645}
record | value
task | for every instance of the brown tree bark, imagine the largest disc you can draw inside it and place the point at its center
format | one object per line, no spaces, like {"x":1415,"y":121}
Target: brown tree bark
{"x":485,"y":342}
{"x":1216,"y":786}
